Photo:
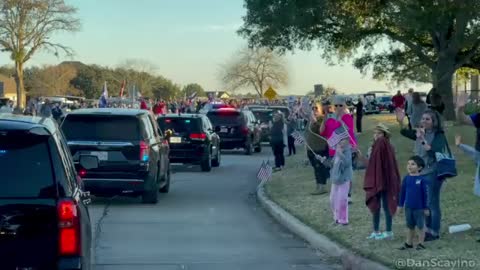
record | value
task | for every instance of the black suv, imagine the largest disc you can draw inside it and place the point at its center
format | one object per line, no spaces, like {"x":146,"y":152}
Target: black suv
{"x":237,"y":129}
{"x":44,"y":220}
{"x":264,"y":117}
{"x":132,"y":152}
{"x":192,"y":140}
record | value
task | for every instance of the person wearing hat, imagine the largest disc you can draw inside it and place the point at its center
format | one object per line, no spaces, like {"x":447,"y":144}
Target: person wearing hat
{"x":382,"y":181}
{"x":317,"y":145}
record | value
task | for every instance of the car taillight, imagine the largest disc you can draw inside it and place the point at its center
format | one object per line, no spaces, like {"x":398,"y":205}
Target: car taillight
{"x":69,"y":228}
{"x":198,"y":136}
{"x":82,"y":172}
{"x":144,"y":151}
{"x":245,"y":130}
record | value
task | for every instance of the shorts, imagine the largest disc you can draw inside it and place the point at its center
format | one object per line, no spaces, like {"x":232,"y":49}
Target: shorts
{"x":415,"y":218}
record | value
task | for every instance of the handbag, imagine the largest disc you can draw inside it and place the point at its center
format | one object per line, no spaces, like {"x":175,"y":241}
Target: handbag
{"x":446,"y":164}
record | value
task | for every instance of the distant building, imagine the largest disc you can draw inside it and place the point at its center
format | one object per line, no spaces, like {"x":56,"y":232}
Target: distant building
{"x":8,"y":88}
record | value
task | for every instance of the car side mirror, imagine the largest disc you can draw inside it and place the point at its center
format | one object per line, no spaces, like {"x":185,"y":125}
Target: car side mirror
{"x":88,"y":162}
{"x":217,"y":129}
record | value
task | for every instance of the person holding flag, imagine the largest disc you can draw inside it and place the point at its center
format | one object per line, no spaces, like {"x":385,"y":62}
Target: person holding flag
{"x":102,"y":103}
{"x":317,"y":146}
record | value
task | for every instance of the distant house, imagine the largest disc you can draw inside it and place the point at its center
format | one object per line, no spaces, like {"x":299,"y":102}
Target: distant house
{"x":8,"y":88}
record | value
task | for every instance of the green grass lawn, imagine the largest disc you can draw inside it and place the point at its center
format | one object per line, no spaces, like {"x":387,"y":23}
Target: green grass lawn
{"x":291,"y":189}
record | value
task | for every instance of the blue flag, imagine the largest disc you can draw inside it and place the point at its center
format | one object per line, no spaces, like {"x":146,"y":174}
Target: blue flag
{"x":102,"y":103}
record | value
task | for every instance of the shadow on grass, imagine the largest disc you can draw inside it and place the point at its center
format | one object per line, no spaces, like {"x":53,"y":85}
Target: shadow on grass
{"x":291,"y":189}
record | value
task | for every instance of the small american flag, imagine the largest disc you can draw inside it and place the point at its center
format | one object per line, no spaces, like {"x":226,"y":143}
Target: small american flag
{"x":338,"y":135}
{"x":298,"y":137}
{"x":265,"y":172}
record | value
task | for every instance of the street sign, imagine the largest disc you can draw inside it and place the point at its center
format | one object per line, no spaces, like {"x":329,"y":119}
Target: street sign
{"x":270,"y":93}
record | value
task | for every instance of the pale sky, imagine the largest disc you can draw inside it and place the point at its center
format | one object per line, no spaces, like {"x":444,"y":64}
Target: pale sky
{"x":187,"y":40}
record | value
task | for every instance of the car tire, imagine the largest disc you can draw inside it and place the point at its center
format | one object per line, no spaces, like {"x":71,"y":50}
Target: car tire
{"x":217,"y":160}
{"x":258,"y":148}
{"x":151,"y":196}
{"x":166,"y":188}
{"x":206,"y":163}
{"x":249,"y":147}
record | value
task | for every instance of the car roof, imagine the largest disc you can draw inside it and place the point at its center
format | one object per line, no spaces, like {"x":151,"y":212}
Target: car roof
{"x":109,"y":111}
{"x":261,"y":110}
{"x":26,"y":122}
{"x":278,"y":107}
{"x":232,"y":109}
{"x":180,"y":115}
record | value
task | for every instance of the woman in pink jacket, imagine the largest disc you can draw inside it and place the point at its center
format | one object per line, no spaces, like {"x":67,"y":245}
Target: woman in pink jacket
{"x":341,"y":117}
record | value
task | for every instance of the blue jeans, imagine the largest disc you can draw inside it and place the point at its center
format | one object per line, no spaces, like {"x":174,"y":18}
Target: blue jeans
{"x":383,"y":199}
{"x":434,"y":220}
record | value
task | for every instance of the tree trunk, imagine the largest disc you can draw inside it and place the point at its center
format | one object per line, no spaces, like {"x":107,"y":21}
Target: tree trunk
{"x":19,"y":83}
{"x":443,"y":82}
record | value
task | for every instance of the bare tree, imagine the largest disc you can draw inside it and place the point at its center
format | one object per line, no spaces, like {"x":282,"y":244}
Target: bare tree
{"x":257,"y":68}
{"x":26,"y":27}
{"x":52,"y":80}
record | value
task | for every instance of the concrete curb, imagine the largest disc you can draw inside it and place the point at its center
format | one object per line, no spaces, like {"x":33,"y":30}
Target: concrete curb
{"x":316,"y":240}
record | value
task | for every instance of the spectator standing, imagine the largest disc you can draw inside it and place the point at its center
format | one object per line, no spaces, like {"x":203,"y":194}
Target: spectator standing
{"x":359,"y":114}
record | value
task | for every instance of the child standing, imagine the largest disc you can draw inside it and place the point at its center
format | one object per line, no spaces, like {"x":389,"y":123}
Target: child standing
{"x":341,"y":174}
{"x":382,"y":181}
{"x":413,"y":196}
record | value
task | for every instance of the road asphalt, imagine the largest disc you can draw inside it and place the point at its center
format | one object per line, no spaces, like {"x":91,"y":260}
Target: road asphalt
{"x":208,"y":221}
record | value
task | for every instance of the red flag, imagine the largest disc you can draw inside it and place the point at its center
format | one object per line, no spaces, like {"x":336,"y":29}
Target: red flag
{"x":122,"y":88}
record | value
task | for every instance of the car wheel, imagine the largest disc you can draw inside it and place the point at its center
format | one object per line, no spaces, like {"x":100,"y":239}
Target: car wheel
{"x":249,"y":147}
{"x":217,"y":160}
{"x":258,"y":148}
{"x":166,"y":188}
{"x":206,"y":163}
{"x":151,"y":196}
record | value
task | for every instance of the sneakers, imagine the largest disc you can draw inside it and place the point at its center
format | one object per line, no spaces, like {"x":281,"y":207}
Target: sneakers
{"x":375,"y":235}
{"x":321,"y":189}
{"x":380,"y":236}
{"x":350,"y":200}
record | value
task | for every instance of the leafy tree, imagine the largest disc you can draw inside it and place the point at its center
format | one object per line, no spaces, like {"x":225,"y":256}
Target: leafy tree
{"x":258,"y":68}
{"x":396,"y":39}
{"x":189,"y":89}
{"x":164,"y":89}
{"x":26,"y":26}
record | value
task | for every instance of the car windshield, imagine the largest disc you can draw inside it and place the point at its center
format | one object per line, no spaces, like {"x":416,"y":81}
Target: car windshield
{"x":101,"y":128}
{"x":25,"y":166}
{"x":180,"y":124}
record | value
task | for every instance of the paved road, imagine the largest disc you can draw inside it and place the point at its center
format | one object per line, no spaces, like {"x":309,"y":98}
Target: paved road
{"x":208,"y":221}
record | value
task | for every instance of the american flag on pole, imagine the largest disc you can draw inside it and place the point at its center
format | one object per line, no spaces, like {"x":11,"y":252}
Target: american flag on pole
{"x":265,"y":172}
{"x":338,"y":135}
{"x":298,"y":137}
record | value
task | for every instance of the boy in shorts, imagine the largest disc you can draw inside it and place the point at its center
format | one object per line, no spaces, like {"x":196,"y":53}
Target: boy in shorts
{"x":413,"y":196}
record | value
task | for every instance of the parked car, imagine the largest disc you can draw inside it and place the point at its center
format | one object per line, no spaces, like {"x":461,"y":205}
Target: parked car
{"x":237,"y":129}
{"x":131,"y":149}
{"x":264,"y":118}
{"x":44,"y":220}
{"x":370,"y":105}
{"x":193,"y":140}
{"x":385,"y":104}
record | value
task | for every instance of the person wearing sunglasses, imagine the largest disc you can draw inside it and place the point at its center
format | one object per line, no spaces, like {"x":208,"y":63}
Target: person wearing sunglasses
{"x":341,"y":118}
{"x":317,"y":146}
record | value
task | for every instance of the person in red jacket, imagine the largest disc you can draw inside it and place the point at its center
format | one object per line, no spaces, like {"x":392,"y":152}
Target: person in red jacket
{"x":398,"y":100}
{"x":143,"y":105}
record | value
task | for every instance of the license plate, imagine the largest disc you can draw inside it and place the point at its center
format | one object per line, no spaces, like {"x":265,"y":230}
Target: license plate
{"x":100,"y":155}
{"x":224,"y":130}
{"x":175,"y":139}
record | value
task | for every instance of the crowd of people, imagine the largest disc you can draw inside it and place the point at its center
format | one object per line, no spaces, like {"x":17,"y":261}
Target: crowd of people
{"x":333,"y":152}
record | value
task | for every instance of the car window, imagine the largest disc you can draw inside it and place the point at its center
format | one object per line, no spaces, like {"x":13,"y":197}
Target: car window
{"x":25,"y":166}
{"x":226,"y":118}
{"x":154,"y":124}
{"x":101,"y":127}
{"x":180,"y":125}
{"x":148,"y":126}
{"x":66,"y":161}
